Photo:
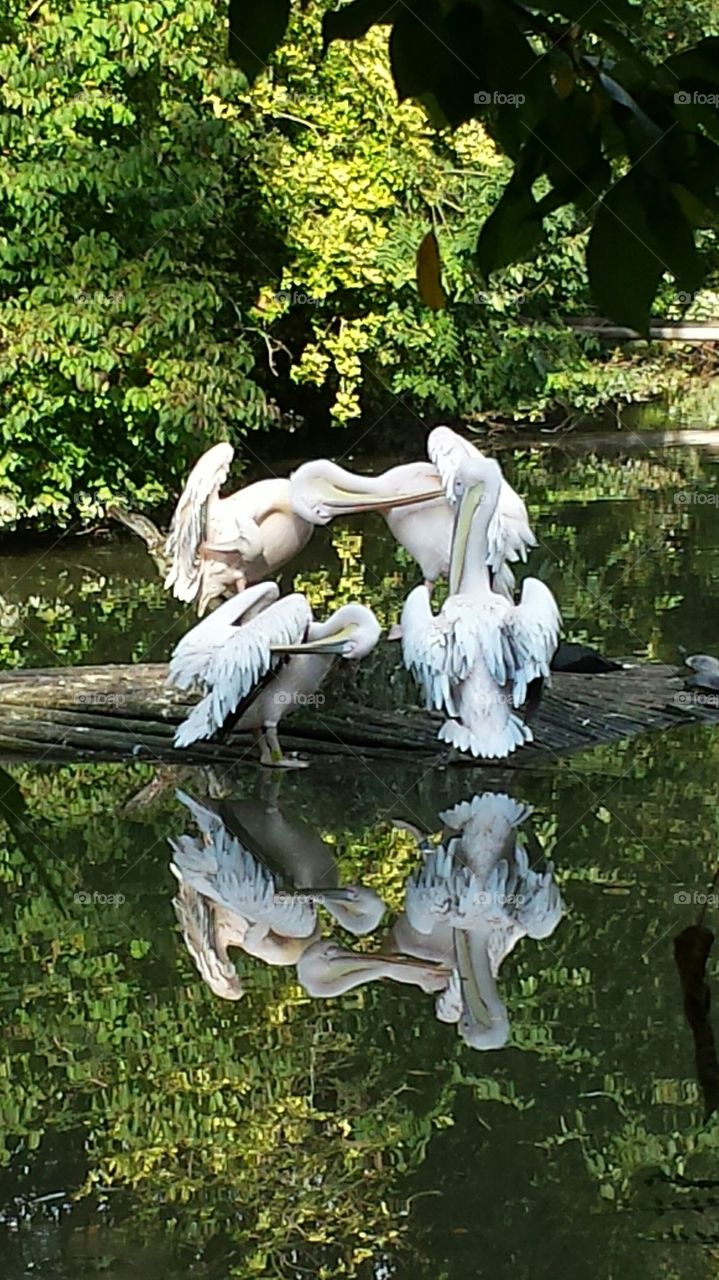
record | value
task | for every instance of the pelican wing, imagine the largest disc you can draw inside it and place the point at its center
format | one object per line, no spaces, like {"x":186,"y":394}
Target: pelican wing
{"x":187,"y":529}
{"x":532,"y":628}
{"x":509,"y":536}
{"x":194,"y":652}
{"x":207,"y":931}
{"x":233,"y":666}
{"x":226,"y":873}
{"x":439,"y":650}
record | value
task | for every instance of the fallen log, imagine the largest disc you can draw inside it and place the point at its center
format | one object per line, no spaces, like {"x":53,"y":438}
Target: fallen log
{"x":127,"y":712}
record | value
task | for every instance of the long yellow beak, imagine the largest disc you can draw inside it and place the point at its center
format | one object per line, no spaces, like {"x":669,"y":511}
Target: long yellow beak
{"x":469,"y":502}
{"x":333,"y":643}
{"x":345,"y":500}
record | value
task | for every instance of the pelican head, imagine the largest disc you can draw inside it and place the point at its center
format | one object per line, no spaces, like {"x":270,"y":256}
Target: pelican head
{"x":328,"y":969}
{"x":321,"y":490}
{"x":477,"y":482}
{"x":351,"y":631}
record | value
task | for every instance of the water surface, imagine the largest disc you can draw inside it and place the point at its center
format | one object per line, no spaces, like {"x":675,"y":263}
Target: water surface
{"x":151,"y":1125}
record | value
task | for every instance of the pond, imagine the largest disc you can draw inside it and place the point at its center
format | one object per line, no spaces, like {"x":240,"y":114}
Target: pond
{"x":166,"y":1114}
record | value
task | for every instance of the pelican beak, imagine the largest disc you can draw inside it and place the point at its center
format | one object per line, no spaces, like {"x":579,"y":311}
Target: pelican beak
{"x":345,"y":501}
{"x":470,"y":500}
{"x":483,"y":1028}
{"x":333,"y":643}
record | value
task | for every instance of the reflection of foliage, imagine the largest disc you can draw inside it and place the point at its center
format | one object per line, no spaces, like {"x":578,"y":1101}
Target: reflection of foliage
{"x":320,"y":1121}
{"x":626,"y":560}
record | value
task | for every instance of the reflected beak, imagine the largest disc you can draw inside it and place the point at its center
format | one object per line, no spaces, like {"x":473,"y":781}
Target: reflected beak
{"x":471,"y":499}
{"x":473,"y":999}
{"x":333,"y":643}
{"x":346,"y":501}
{"x":330,"y":895}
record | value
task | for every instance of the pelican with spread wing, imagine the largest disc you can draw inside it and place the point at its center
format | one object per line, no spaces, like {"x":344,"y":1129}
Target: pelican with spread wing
{"x":257,"y":658}
{"x":216,"y":545}
{"x":469,"y":904}
{"x":477,"y":658}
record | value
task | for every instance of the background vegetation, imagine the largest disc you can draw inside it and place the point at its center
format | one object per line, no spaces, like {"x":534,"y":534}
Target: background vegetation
{"x":184,"y":257}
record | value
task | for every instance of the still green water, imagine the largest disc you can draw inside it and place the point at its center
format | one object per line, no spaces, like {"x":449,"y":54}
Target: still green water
{"x":152,"y":1128}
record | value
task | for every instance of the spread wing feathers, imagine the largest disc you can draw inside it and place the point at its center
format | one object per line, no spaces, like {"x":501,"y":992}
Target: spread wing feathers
{"x":224,"y":871}
{"x":187,"y":529}
{"x":491,"y":815}
{"x":509,"y":536}
{"x":207,"y":931}
{"x":532,"y":628}
{"x":439,"y":650}
{"x":194,"y":651}
{"x":232,"y":668}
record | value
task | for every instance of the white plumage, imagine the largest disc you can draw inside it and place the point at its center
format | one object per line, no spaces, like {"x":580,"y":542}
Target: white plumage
{"x":509,"y":536}
{"x":470,"y":902}
{"x":229,"y":652}
{"x":475,"y":659}
{"x":266,"y":653}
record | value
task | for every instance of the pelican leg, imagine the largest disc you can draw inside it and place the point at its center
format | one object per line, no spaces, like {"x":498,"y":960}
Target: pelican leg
{"x":271,"y":752}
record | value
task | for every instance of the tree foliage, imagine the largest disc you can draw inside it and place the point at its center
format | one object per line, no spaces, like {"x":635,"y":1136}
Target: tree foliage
{"x":587,"y":116}
{"x":192,"y":250}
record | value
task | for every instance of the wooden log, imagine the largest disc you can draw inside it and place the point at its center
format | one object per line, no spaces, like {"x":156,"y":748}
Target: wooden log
{"x":127,"y":712}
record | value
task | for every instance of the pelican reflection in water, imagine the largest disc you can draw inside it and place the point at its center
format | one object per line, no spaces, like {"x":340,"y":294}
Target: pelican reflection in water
{"x":255,"y":875}
{"x":255,"y":896}
{"x":468,"y":905}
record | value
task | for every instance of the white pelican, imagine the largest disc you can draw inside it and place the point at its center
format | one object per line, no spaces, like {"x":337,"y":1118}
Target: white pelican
{"x":477,"y":657}
{"x":419,"y":504}
{"x":472,"y":900}
{"x":236,"y":655}
{"x":237,"y":860}
{"x":509,"y":535}
{"x":208,"y":930}
{"x":216,"y":546}
{"x":328,"y":969}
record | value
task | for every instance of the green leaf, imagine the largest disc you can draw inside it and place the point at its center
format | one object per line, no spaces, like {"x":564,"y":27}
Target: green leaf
{"x":255,"y":31}
{"x":624,"y":267}
{"x":512,"y":231}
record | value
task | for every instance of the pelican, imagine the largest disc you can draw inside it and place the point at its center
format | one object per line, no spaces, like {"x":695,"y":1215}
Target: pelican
{"x":293,"y":848}
{"x":509,"y":536}
{"x":236,"y":655}
{"x":477,"y":658}
{"x":471,"y":901}
{"x":216,"y":546}
{"x":328,"y":969}
{"x":208,"y":930}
